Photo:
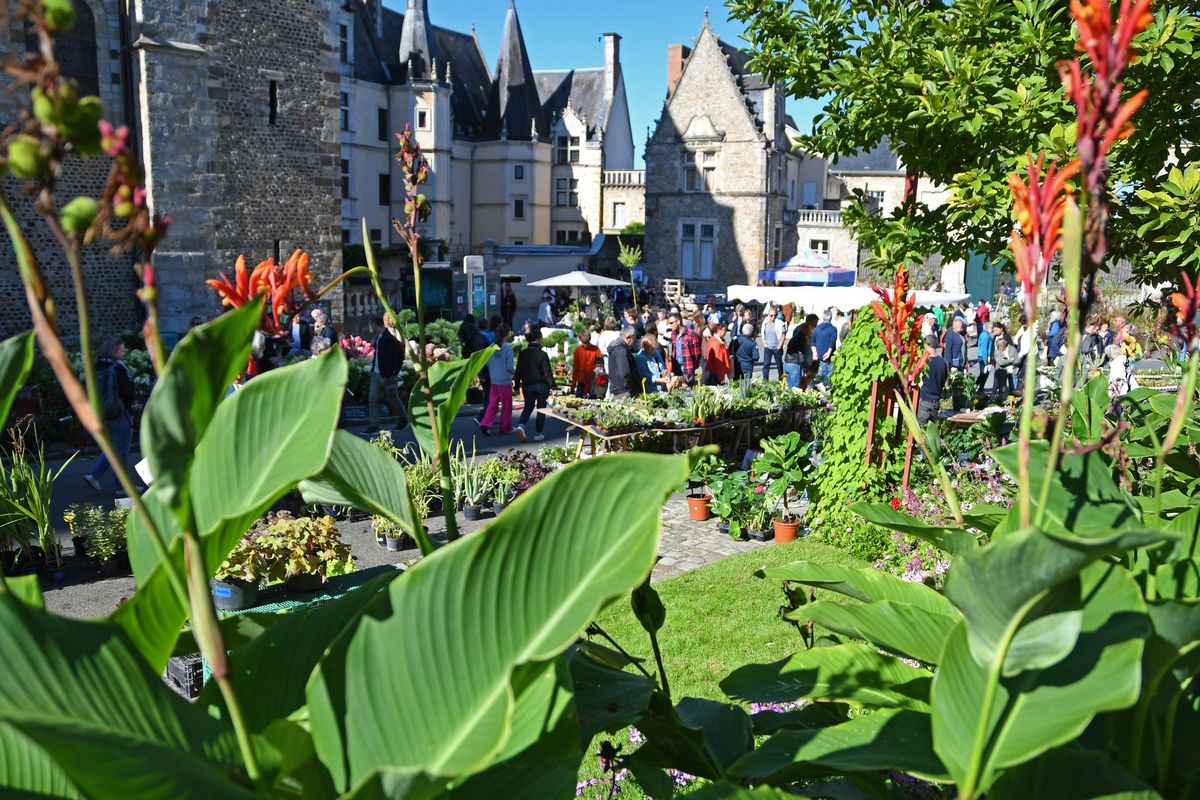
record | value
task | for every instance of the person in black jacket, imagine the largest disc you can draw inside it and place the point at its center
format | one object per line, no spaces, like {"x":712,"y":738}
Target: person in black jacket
{"x":534,"y":379}
{"x":622,"y":370}
{"x":117,"y":404}
{"x":385,"y":373}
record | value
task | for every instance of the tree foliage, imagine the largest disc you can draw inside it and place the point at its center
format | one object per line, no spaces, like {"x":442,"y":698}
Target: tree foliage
{"x":961,"y":91}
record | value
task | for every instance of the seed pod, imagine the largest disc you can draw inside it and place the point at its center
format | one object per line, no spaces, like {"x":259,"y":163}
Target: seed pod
{"x":25,"y":157}
{"x":77,"y":216}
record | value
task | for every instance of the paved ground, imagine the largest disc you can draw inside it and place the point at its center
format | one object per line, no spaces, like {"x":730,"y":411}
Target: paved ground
{"x":685,"y":545}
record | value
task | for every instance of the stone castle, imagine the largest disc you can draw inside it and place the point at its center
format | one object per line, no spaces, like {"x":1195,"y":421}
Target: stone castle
{"x":266,"y":127}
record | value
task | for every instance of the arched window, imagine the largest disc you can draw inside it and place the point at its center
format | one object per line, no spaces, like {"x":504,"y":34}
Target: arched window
{"x":76,"y":50}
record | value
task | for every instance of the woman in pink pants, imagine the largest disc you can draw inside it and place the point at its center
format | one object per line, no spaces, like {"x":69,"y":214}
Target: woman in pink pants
{"x":500,"y":369}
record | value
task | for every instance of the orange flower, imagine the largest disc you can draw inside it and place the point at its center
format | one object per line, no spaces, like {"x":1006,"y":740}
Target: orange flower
{"x":901,"y":329}
{"x":1039,"y":206}
{"x":1187,"y":308}
{"x":271,"y":284}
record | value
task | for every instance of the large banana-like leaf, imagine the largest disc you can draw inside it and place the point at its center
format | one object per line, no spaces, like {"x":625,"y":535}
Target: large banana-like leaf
{"x":462,"y":620}
{"x":186,"y":395}
{"x":91,"y":713}
{"x":542,"y":756}
{"x":899,"y":628}
{"x":274,"y":668}
{"x":16,"y":359}
{"x":449,"y":381}
{"x":1071,"y":774}
{"x":1084,"y":499}
{"x":699,"y":737}
{"x":888,"y":739}
{"x":260,"y":443}
{"x":1088,"y":410}
{"x":1018,"y":593}
{"x":953,"y":540}
{"x":867,"y":585}
{"x":852,"y":673}
{"x":606,"y":698}
{"x":1038,"y":709}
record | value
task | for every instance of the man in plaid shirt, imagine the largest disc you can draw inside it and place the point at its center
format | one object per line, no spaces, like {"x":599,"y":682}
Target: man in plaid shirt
{"x":685,"y":349}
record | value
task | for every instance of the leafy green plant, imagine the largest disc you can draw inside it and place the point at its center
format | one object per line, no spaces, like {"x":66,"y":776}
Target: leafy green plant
{"x":27,"y":488}
{"x":732,"y":499}
{"x":472,"y":483}
{"x":557,"y":454}
{"x":105,"y":531}
{"x":289,"y":546}
{"x":785,"y":463}
{"x":706,"y":469}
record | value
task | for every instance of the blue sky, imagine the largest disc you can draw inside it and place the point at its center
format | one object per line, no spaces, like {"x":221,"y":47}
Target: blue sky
{"x":560,"y":34}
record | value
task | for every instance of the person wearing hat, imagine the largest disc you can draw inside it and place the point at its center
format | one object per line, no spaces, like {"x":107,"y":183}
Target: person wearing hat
{"x":933,"y":385}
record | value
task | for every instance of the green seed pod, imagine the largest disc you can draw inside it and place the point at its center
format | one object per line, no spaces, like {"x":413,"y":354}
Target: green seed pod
{"x":25,"y":157}
{"x":77,"y":216}
{"x":59,"y":14}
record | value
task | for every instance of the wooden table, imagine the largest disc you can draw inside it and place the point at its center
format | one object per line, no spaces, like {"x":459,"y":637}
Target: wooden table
{"x":615,"y":442}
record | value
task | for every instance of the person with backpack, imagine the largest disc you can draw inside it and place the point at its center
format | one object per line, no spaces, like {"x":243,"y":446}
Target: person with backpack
{"x":534,"y":377}
{"x":116,"y":404}
{"x":385,"y":374}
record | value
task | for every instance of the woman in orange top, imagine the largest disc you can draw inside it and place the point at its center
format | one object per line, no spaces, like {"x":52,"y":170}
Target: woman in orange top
{"x":716,"y":357}
{"x":583,"y":364}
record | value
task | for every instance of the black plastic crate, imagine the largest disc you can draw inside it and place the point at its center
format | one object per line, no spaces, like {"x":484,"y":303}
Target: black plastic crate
{"x":185,"y":674}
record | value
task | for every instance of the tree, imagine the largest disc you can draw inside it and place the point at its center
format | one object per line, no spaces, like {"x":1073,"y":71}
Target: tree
{"x":961,"y":92}
{"x":630,"y":256}
{"x":634,"y":229}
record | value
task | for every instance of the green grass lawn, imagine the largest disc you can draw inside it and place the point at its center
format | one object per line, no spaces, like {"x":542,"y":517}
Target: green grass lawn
{"x":719,"y":617}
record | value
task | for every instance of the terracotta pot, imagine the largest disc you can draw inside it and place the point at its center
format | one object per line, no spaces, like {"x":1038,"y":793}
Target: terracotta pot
{"x":786,"y":531}
{"x":698,"y":508}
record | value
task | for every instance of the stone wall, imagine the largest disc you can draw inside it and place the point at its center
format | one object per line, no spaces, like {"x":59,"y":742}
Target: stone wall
{"x":111,"y":281}
{"x":235,"y":180}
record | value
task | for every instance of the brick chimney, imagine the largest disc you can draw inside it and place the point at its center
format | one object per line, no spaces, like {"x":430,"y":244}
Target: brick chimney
{"x":676,"y":55}
{"x":612,"y":63}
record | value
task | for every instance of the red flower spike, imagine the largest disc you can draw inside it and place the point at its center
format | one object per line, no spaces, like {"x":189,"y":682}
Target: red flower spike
{"x":1039,"y":206}
{"x":901,"y":329}
{"x":270,"y":284}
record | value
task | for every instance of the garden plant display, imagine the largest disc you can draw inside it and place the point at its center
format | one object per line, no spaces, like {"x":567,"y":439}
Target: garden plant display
{"x":1058,"y":661}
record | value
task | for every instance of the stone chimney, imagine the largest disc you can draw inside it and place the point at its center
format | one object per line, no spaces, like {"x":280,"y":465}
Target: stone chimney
{"x":676,"y":55}
{"x":612,"y":63}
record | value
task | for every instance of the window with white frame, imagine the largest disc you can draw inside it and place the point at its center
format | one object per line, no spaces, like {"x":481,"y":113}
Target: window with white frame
{"x":422,"y":115}
{"x":344,"y":44}
{"x":566,"y":150}
{"x":697,"y":248}
{"x":875,"y":201}
{"x":618,"y":214}
{"x":573,"y":198}
{"x":345,"y":178}
{"x":700,"y":172}
{"x":810,"y":195}
{"x":560,"y":192}
{"x":819,"y":246}
{"x":344,"y":103}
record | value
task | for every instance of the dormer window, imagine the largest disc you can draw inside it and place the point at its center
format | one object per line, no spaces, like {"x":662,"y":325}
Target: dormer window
{"x":700,"y":172}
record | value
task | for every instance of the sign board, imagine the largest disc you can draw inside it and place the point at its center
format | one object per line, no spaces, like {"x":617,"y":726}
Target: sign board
{"x":473,"y":265}
{"x":478,"y":295}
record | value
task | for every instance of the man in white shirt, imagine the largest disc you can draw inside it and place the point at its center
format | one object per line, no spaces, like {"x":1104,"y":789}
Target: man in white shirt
{"x":772,"y":335}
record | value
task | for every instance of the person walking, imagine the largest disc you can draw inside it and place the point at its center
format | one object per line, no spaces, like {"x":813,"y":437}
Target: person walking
{"x":500,"y":398}
{"x":772,"y":334}
{"x":747,"y":351}
{"x":622,"y":371}
{"x":116,"y":404}
{"x":1056,"y":337}
{"x":685,"y":349}
{"x":716,"y":358}
{"x":508,"y":303}
{"x":1004,"y":359}
{"x":583,"y":364}
{"x":385,"y":374}
{"x":533,"y":379}
{"x":546,"y":315}
{"x":824,"y":342}
{"x":795,"y":352}
{"x":983,"y":356}
{"x":933,"y":385}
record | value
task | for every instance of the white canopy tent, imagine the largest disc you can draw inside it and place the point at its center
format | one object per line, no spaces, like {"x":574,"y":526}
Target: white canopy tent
{"x":580,"y":280}
{"x":815,"y":299}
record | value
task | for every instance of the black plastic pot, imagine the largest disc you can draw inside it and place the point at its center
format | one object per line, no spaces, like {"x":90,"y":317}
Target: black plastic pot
{"x":472,"y":513}
{"x":304,"y":582}
{"x":109,"y":567}
{"x":234,"y":595}
{"x":395,"y":544}
{"x":380,"y":539}
{"x":80,"y":543}
{"x":761,"y":536}
{"x":55,"y":573}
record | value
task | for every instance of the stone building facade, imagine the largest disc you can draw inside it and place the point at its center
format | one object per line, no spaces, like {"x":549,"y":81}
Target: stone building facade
{"x":517,"y":156}
{"x":721,"y":176}
{"x":87,"y":54}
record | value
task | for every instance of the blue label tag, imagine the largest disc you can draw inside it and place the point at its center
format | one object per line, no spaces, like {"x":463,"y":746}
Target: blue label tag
{"x":223,"y":592}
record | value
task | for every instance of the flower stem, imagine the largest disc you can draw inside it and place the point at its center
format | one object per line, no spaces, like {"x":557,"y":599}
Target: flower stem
{"x":1027,"y":398}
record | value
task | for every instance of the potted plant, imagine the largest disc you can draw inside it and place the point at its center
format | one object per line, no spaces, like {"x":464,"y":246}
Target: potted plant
{"x":504,"y":486}
{"x":731,"y":499}
{"x":303,"y":552}
{"x":472,"y":486}
{"x":391,"y":535}
{"x":699,"y":498}
{"x":758,"y":515}
{"x":235,"y":584}
{"x":106,"y":538}
{"x":962,"y":387}
{"x":785,"y":464}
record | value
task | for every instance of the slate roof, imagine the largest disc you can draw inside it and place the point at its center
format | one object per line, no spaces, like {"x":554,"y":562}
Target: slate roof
{"x":879,"y":158}
{"x":377,"y":59}
{"x":582,"y":89}
{"x":513,"y":103}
